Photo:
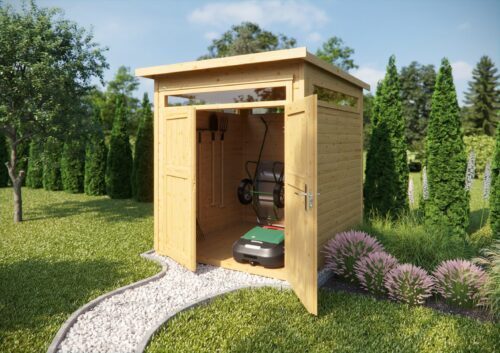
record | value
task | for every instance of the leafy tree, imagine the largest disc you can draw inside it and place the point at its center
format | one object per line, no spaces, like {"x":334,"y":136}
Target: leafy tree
{"x":448,"y":203}
{"x":119,"y":162}
{"x":367,"y":116}
{"x":417,"y":86}
{"x":387,"y":172}
{"x":95,"y":159}
{"x":52,"y":164}
{"x":247,"y":38}
{"x":334,"y":51}
{"x":142,"y":176}
{"x":4,"y":157}
{"x":73,"y":165}
{"x":483,"y":99}
{"x":47,"y":63}
{"x":34,"y":176}
{"x":495,"y":190}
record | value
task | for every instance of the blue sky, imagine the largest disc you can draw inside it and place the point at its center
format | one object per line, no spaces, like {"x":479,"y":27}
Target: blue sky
{"x":148,"y":32}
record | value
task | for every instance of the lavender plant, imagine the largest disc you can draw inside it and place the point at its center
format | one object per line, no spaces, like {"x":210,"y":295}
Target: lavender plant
{"x":342,"y":252}
{"x":471,"y":170}
{"x":460,"y":282}
{"x":408,"y":284}
{"x":372,"y":269}
{"x":487,"y":181}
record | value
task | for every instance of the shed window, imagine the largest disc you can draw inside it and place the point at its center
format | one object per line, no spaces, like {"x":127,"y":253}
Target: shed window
{"x":233,"y":96}
{"x":334,"y":97}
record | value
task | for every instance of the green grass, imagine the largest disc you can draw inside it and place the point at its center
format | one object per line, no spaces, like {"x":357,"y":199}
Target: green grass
{"x":268,"y":320}
{"x":69,"y":250}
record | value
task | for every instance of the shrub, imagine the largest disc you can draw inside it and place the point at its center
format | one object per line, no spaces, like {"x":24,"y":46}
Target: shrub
{"x":52,"y":164}
{"x":460,"y":282}
{"x":95,"y":162}
{"x":34,"y":176}
{"x":490,"y":260}
{"x":495,"y":189}
{"x":72,"y":166}
{"x":345,"y":249}
{"x":4,"y":157}
{"x":408,"y":284}
{"x":372,"y":269}
{"x":484,"y":148}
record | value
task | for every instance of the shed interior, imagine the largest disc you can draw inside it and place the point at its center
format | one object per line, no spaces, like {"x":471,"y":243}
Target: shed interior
{"x":221,"y":218}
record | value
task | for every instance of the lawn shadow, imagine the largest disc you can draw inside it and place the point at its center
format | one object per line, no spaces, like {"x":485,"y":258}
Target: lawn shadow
{"x":35,"y":292}
{"x":477,"y":219}
{"x":126,"y":210}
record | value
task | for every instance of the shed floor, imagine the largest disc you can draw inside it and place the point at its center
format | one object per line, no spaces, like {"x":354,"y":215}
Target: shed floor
{"x":217,"y":249}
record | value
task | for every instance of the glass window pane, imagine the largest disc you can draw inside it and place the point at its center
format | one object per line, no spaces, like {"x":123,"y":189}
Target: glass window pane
{"x":334,"y":97}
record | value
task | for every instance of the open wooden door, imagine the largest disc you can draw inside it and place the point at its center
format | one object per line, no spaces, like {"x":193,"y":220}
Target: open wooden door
{"x":300,"y":205}
{"x":177,"y":184}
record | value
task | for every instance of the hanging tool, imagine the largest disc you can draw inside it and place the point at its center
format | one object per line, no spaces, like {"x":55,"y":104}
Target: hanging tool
{"x":199,"y":231}
{"x":222,"y":128}
{"x":213,"y":126}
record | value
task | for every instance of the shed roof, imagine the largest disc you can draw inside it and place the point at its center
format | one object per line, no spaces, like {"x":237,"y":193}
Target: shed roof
{"x":295,"y":54}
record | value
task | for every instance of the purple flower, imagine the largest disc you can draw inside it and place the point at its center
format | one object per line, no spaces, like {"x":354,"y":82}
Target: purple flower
{"x":408,"y":284}
{"x":471,"y":170}
{"x":372,"y":269}
{"x":425,"y":184}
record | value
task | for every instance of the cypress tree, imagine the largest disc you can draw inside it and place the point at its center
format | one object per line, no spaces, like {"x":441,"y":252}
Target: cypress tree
{"x":119,"y":162}
{"x":4,"y":157}
{"x":448,"y":203}
{"x":386,"y":181}
{"x":483,"y":99}
{"x":142,"y":175}
{"x":72,"y":166}
{"x":495,"y":190}
{"x":34,"y":176}
{"x":95,"y":160}
{"x":52,"y":164}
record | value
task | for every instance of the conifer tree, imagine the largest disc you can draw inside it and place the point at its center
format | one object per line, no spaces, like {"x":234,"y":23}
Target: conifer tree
{"x":95,"y":159}
{"x":34,"y":176}
{"x":4,"y":158}
{"x":495,"y":190}
{"x":483,"y":99}
{"x":386,"y":182}
{"x":52,"y":164}
{"x":119,"y":161}
{"x":72,"y":166}
{"x":142,"y":176}
{"x":448,"y":203}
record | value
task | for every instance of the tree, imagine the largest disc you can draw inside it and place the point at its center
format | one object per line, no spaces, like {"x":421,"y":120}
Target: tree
{"x":119,"y":162}
{"x":367,"y":117}
{"x":4,"y":157}
{"x":495,"y":190}
{"x":386,"y":181}
{"x":334,"y":52}
{"x":247,"y":38}
{"x":417,"y":86}
{"x":47,"y":64}
{"x":95,"y":159}
{"x":52,"y":164}
{"x":448,"y":203}
{"x":73,"y":165}
{"x":34,"y":176}
{"x":142,"y":176}
{"x":483,"y":99}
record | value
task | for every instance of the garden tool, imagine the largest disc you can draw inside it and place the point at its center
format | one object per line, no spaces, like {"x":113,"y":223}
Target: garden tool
{"x":213,"y":126}
{"x":199,"y":231}
{"x":222,"y":128}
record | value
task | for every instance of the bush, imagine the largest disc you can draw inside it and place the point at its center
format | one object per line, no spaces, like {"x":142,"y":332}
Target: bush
{"x":490,"y":260}
{"x":52,"y":164}
{"x":372,"y":269}
{"x":460,"y":282}
{"x":484,"y":148}
{"x":72,"y":166}
{"x":4,"y":157}
{"x":342,"y":252}
{"x":408,"y":284}
{"x":495,"y":189}
{"x":95,"y":162}
{"x":34,"y":176}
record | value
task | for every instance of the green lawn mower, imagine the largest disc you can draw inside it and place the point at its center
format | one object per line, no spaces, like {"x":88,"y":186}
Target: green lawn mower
{"x":264,"y":190}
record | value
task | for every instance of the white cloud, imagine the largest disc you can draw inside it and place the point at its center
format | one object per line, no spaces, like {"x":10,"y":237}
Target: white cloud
{"x":314,"y":37}
{"x":464,"y":26}
{"x":211,"y":35}
{"x":293,"y":13}
{"x":461,"y":70}
{"x":370,"y":75}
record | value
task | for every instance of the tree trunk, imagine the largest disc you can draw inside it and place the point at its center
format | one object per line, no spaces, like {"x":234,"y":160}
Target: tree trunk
{"x":17,"y":182}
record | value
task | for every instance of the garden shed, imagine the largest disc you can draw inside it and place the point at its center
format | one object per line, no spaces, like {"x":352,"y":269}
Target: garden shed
{"x":213,"y":119}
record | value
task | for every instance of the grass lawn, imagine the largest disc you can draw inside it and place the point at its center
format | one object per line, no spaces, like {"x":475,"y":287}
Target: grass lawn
{"x":70,"y":250}
{"x":269,"y":320}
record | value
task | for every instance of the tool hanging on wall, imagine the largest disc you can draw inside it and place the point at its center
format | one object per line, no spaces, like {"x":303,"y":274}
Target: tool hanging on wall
{"x":213,"y":126}
{"x":222,"y":128}
{"x":199,"y":230}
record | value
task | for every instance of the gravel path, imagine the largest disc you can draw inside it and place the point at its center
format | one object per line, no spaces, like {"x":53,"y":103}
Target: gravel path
{"x":119,"y":323}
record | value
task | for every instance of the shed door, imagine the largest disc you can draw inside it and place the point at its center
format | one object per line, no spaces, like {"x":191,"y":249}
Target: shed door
{"x":178,"y":184}
{"x":300,"y":205}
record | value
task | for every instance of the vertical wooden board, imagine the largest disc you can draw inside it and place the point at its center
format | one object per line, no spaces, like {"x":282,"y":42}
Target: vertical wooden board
{"x":301,"y":217}
{"x":156,"y":106}
{"x":177,"y":185}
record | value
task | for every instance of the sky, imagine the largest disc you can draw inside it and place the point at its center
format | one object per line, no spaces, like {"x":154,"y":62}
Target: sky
{"x":153,"y":32}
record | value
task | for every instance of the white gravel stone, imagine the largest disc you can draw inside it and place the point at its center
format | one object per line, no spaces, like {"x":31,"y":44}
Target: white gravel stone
{"x":120,"y":322}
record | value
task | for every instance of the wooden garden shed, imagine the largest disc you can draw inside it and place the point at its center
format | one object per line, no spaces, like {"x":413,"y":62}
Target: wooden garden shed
{"x":314,"y":115}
